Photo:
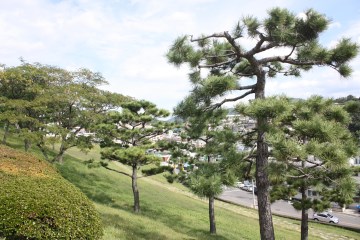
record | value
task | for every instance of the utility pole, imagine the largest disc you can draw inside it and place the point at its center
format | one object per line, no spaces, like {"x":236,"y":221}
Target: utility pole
{"x":253,"y":193}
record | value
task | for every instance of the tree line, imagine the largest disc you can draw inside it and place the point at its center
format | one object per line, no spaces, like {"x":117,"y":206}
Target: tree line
{"x":45,"y":105}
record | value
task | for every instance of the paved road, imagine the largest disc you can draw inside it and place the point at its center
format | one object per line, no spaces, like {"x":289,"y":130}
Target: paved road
{"x":284,"y":208}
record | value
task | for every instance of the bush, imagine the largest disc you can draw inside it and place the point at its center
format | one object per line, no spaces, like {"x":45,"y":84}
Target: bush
{"x":157,"y":170}
{"x":37,"y":203}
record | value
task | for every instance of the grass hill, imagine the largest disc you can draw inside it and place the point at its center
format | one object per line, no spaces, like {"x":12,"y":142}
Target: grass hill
{"x":170,"y":211}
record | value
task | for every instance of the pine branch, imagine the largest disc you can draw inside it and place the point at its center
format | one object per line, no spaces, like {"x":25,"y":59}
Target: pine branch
{"x":258,"y":47}
{"x":292,"y":51}
{"x":297,"y":177}
{"x":286,"y":59}
{"x":149,"y":136}
{"x":250,"y":155}
{"x":217,"y":105}
{"x":117,"y":171}
{"x":286,"y":73}
{"x":243,"y":75}
{"x":315,"y":164}
{"x":246,"y":87}
{"x":215,"y":35}
{"x":248,"y":133}
{"x":205,"y":140}
{"x":217,"y":64}
{"x":123,"y":173}
{"x":221,"y":56}
{"x":231,"y":40}
{"x":225,"y":55}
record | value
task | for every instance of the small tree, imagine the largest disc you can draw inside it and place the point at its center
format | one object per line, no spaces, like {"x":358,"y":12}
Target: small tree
{"x":127,"y":134}
{"x":311,"y":147}
{"x":207,"y":182}
{"x":218,"y":141}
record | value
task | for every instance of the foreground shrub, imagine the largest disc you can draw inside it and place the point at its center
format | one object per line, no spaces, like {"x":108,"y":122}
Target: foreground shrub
{"x":37,"y":203}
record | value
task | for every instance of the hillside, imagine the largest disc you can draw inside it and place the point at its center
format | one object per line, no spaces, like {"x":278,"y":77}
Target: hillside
{"x":169,"y":212}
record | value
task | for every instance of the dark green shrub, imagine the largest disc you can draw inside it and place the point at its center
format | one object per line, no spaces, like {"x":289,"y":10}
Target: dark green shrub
{"x":157,"y":170}
{"x":37,"y":203}
{"x":170,"y":178}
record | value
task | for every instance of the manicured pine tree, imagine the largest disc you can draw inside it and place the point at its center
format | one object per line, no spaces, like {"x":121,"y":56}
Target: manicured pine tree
{"x":311,"y":147}
{"x":125,"y":135}
{"x":217,"y":145}
{"x":231,"y":67}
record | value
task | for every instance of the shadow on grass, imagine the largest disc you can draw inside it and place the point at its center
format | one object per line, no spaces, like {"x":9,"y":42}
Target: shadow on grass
{"x":205,"y":235}
{"x":176,"y":222}
{"x":92,"y":186}
{"x":130,"y":230}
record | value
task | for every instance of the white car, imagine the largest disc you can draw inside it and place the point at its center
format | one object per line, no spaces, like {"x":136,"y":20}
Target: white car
{"x":239,"y":184}
{"x":325,"y":217}
{"x":247,"y":187}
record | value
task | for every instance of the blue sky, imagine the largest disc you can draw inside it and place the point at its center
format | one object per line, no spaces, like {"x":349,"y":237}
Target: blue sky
{"x":126,"y":40}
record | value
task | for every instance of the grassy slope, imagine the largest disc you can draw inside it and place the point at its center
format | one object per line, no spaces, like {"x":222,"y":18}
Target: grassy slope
{"x":168,"y":212}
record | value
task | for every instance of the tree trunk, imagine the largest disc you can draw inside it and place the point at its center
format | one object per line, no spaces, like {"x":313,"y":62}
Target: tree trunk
{"x":212,"y":215}
{"x":27,"y":144}
{"x":59,"y":156}
{"x":6,"y":133}
{"x":304,"y":216}
{"x":261,"y":174}
{"x":135,"y":189}
{"x":262,"y":184}
{"x":43,"y":151}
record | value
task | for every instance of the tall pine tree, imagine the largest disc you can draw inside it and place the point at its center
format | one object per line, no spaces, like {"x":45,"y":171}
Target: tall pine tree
{"x":232,"y":68}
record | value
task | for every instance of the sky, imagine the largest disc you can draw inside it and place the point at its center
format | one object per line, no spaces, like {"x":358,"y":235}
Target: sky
{"x":127,"y":40}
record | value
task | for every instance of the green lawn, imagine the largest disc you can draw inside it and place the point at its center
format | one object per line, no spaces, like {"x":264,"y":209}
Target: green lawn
{"x":169,"y":211}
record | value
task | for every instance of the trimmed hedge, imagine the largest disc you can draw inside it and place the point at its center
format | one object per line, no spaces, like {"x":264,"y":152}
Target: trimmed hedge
{"x":37,"y":203}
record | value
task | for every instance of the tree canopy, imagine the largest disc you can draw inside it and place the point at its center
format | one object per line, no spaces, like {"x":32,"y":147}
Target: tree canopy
{"x":48,"y":104}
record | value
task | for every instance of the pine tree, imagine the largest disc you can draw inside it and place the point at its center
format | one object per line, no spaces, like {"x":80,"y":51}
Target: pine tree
{"x":227,"y":64}
{"x":218,"y":144}
{"x":311,"y":147}
{"x":126,"y":135}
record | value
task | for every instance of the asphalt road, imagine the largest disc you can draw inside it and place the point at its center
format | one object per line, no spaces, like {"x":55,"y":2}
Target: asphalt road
{"x":284,"y":208}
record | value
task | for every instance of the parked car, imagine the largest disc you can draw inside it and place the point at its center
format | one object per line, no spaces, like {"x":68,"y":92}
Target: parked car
{"x":325,"y":217}
{"x":239,"y":184}
{"x":247,"y":187}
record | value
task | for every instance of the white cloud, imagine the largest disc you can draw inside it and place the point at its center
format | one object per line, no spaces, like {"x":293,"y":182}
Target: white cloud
{"x":335,"y":25}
